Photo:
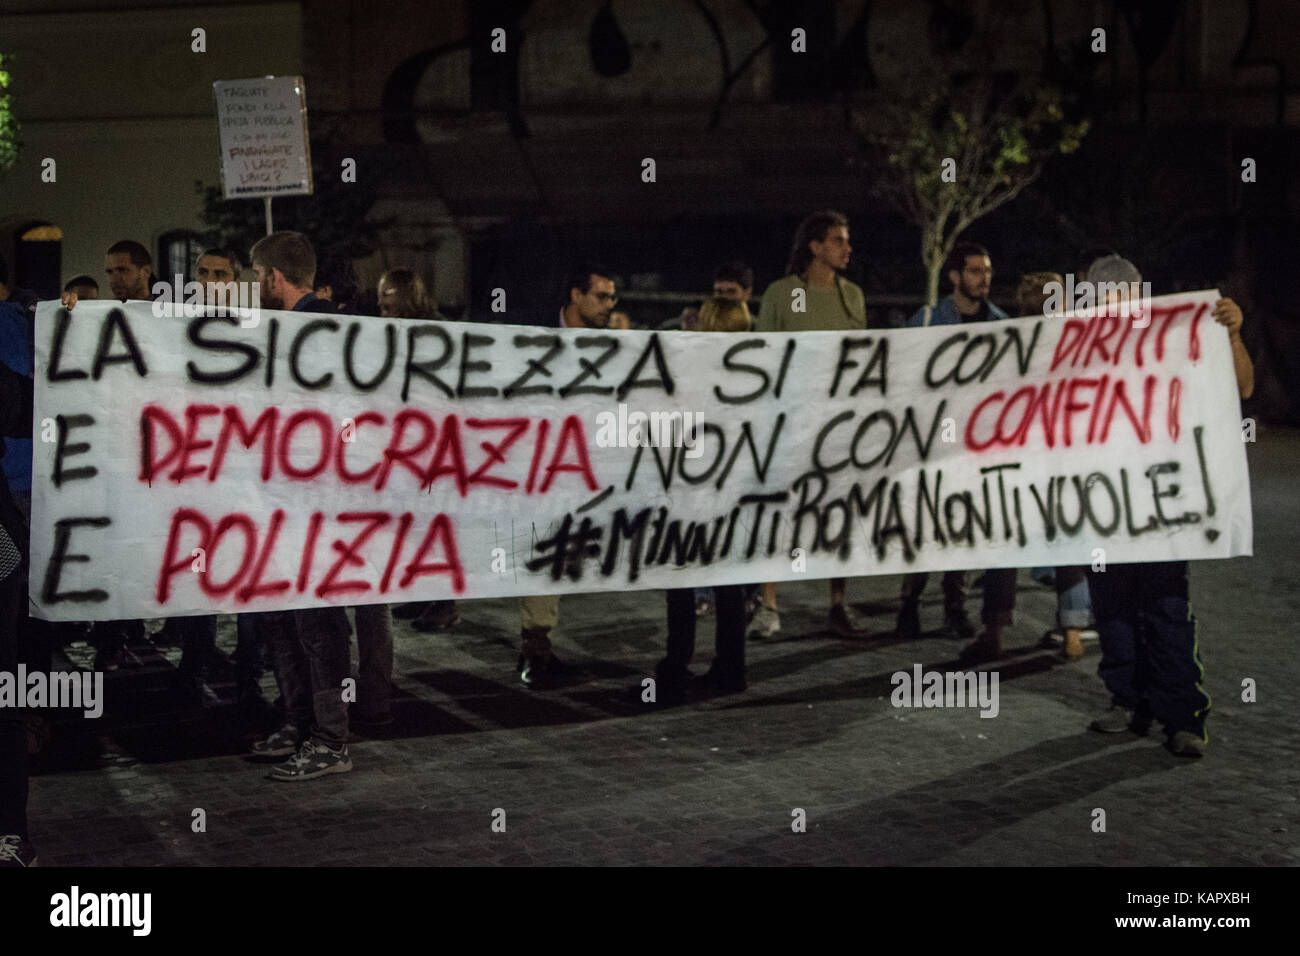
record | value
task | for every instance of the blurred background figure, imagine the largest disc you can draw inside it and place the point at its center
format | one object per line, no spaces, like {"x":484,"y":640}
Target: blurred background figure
{"x":336,"y":282}
{"x":402,"y":295}
{"x":733,"y":281}
{"x":216,"y":266}
{"x":84,"y":287}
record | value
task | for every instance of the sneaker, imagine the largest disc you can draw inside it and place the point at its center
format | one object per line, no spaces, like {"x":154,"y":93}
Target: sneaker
{"x":1119,"y":719}
{"x":1184,"y":743}
{"x":846,"y":622}
{"x":283,"y":742}
{"x":16,"y":852}
{"x":957,"y":625}
{"x":539,"y":672}
{"x":909,"y":621}
{"x":766,"y":623}
{"x":311,"y":761}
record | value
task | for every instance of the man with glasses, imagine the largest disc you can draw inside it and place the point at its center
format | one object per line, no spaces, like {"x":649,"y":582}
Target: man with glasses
{"x":589,"y":300}
{"x":970,"y":270}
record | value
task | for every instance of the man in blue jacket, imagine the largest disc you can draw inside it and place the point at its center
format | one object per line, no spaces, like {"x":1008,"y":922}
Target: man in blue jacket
{"x":970,"y":270}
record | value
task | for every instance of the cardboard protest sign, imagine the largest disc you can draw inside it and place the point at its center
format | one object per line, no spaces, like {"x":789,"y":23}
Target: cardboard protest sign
{"x":191,"y":465}
{"x":263,"y":127}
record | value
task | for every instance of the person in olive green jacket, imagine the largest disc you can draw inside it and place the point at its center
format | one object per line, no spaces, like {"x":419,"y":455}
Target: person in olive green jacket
{"x":814,"y":297}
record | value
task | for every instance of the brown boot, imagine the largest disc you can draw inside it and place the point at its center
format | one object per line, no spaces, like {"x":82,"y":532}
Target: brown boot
{"x":1072,"y":647}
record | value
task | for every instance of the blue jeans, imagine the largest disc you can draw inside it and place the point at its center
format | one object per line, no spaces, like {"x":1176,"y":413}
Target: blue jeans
{"x":1073,"y":602}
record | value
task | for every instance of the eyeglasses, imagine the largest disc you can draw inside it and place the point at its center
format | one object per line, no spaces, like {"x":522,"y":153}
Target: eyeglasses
{"x":609,"y":297}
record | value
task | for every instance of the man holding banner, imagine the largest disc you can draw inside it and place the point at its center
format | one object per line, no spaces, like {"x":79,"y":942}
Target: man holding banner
{"x":970,"y":270}
{"x":311,"y":645}
{"x":589,"y":300}
{"x":814,"y":296}
{"x":1150,"y":654}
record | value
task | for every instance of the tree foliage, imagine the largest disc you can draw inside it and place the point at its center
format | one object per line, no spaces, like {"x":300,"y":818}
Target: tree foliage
{"x":991,"y":135}
{"x":8,"y":123}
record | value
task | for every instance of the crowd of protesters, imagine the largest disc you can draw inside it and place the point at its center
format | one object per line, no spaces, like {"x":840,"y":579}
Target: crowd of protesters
{"x":1139,"y":614}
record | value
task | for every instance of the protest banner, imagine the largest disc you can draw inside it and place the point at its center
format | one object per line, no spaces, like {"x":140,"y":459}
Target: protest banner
{"x":190,"y":465}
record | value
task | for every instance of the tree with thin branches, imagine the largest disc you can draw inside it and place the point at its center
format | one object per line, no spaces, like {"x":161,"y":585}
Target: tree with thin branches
{"x":951,"y":151}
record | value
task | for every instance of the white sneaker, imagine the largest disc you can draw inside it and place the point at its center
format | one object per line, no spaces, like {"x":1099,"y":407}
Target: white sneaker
{"x":311,"y":761}
{"x":766,"y":623}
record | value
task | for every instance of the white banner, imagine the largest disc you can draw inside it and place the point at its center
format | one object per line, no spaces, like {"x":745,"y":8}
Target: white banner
{"x":189,"y":465}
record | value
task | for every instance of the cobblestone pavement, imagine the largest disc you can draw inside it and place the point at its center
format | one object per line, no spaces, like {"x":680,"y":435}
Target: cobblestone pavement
{"x":587,"y":774}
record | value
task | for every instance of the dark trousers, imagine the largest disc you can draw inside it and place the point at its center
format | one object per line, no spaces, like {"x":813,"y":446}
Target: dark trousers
{"x":13,"y":737}
{"x":729,"y":640}
{"x":954,"y":588}
{"x":374,"y":661}
{"x":109,"y":634}
{"x":311,"y":649}
{"x":1149,"y":655}
{"x":248,"y":653}
{"x":198,"y":642}
{"x":999,"y":597}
